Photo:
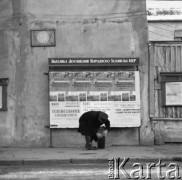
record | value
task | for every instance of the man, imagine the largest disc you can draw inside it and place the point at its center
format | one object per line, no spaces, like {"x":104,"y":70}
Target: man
{"x":89,"y":124}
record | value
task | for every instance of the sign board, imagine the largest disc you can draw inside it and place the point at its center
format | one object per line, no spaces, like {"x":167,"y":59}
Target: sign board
{"x":93,"y":61}
{"x":115,"y":92}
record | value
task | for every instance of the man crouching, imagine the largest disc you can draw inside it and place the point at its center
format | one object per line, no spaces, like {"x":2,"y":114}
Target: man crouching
{"x":89,"y":124}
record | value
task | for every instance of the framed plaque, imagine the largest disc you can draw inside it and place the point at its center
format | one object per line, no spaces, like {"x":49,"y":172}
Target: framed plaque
{"x":171,"y":88}
{"x":42,"y":38}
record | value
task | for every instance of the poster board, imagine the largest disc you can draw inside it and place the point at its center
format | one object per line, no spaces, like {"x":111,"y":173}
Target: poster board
{"x":115,"y":92}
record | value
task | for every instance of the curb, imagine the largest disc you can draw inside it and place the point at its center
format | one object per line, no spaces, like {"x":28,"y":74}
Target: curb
{"x":80,"y":161}
{"x":45,"y":162}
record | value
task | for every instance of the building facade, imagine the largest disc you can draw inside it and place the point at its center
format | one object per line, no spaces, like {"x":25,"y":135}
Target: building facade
{"x":165,"y":35}
{"x":83,"y":28}
{"x":164,"y":20}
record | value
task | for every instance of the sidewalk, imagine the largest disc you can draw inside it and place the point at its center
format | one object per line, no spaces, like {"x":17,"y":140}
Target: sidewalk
{"x":25,"y":156}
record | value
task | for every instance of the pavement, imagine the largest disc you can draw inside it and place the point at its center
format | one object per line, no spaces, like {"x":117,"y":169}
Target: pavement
{"x":31,"y":156}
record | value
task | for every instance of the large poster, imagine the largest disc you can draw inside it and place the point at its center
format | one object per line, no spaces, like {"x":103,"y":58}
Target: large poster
{"x":115,"y":92}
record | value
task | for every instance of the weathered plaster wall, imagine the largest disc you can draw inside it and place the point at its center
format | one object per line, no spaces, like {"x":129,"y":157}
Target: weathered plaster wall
{"x":23,"y":123}
{"x":163,"y":30}
{"x":84,"y":28}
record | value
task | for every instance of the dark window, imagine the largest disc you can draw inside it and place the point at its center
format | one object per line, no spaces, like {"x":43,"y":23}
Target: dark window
{"x":3,"y":94}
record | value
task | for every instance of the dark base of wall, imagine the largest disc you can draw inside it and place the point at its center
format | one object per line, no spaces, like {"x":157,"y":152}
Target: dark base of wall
{"x":116,"y":136}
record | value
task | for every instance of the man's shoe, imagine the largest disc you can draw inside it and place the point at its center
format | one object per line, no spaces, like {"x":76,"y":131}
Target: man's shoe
{"x":91,"y":148}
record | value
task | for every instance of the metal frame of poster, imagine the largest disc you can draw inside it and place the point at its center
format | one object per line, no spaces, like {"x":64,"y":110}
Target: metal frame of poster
{"x":115,"y":92}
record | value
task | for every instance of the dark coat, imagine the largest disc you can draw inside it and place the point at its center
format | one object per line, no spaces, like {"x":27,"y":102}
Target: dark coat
{"x":89,"y":123}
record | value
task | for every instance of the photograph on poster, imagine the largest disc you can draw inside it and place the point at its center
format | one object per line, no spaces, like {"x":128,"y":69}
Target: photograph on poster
{"x":115,"y":96}
{"x":72,"y":96}
{"x":82,"y":96}
{"x":132,"y":96}
{"x":53,"y":96}
{"x":94,"y":96}
{"x":61,"y":96}
{"x":125,"y":96}
{"x":103,"y":96}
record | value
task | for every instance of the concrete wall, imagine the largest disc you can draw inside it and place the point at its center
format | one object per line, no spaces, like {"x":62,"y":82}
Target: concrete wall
{"x":84,"y":28}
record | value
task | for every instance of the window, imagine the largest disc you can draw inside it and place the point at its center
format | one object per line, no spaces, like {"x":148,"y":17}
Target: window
{"x":171,"y":89}
{"x":178,"y":35}
{"x":3,"y":94}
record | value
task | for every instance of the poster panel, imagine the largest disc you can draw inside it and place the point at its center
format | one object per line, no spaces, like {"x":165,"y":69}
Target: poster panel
{"x":72,"y":93}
